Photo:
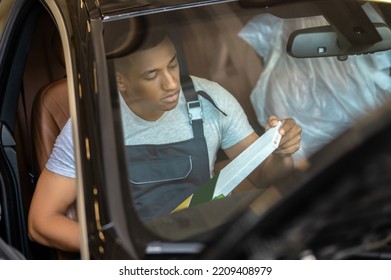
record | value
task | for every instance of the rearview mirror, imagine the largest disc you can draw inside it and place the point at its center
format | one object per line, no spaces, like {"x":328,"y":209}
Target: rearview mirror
{"x":324,"y":41}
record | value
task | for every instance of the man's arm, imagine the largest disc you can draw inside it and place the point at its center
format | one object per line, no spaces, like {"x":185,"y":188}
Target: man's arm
{"x":280,"y":162}
{"x":48,"y":223}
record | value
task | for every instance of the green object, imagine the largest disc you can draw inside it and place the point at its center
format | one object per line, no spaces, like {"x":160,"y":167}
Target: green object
{"x":205,"y":192}
{"x":219,"y":196}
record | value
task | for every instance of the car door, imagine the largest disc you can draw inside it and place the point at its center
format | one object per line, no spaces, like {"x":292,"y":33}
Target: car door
{"x":13,"y":55}
{"x":92,"y":34}
{"x":24,"y":70}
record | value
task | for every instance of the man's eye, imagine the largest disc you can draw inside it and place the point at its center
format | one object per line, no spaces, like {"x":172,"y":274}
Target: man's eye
{"x":173,"y":65}
{"x":150,"y":76}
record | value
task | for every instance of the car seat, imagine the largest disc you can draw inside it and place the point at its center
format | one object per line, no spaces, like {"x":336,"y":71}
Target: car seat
{"x":50,"y":113}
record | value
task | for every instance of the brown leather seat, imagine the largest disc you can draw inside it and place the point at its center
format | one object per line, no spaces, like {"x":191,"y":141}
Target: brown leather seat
{"x":49,"y":114}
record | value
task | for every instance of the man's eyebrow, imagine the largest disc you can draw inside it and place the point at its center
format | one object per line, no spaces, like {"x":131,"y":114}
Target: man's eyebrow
{"x":173,"y":58}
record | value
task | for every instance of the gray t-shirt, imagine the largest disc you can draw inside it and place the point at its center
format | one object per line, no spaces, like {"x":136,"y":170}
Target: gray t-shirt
{"x":173,"y":126}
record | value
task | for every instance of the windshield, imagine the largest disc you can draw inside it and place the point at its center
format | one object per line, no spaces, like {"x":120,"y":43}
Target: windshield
{"x":193,"y":85}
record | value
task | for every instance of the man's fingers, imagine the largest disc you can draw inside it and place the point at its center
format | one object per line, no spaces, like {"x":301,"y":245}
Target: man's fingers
{"x":292,"y":133}
{"x":293,"y":142}
{"x":287,"y":125}
{"x":272,"y":121}
{"x":288,"y":151}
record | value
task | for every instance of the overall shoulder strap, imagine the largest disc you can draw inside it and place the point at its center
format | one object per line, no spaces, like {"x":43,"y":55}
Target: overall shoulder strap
{"x":207,"y":97}
{"x":192,"y":95}
{"x":188,"y":88}
{"x":194,"y":106}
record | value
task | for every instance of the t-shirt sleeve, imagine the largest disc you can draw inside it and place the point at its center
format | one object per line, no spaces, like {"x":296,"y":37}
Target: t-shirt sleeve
{"x":235,"y":126}
{"x":61,"y":160}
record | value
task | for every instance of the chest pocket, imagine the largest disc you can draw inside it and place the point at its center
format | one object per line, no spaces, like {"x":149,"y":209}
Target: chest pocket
{"x":160,"y":170}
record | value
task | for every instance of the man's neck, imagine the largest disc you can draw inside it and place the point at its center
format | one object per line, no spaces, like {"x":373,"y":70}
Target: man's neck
{"x":141,"y":111}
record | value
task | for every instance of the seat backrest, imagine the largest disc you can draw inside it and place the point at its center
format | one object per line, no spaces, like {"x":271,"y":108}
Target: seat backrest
{"x":49,"y":114}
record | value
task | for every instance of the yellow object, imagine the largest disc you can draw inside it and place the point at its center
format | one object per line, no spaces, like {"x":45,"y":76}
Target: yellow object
{"x":183,"y":205}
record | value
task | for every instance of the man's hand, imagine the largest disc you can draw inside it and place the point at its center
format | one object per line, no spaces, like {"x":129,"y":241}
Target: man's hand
{"x":291,"y":135}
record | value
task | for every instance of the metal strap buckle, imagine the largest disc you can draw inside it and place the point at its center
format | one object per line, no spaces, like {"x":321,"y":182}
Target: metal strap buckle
{"x":195,"y":110}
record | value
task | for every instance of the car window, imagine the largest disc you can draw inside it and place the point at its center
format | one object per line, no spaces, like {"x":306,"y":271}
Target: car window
{"x":242,"y":73}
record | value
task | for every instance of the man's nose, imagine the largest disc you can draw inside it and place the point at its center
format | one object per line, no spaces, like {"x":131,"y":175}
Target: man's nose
{"x":169,"y":81}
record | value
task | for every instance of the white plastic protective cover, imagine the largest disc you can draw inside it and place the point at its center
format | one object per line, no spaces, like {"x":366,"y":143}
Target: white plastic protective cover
{"x":324,"y":95}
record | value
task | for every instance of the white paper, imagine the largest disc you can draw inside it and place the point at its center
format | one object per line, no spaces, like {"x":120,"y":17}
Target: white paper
{"x":238,"y":169}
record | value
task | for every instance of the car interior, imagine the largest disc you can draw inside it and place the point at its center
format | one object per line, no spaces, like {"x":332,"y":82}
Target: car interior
{"x":211,"y":50}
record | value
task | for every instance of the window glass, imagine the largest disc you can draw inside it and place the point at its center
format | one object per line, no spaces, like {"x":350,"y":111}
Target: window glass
{"x":194,"y":84}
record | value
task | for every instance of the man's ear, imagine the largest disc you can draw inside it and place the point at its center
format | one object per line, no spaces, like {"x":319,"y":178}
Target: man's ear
{"x":121,"y":82}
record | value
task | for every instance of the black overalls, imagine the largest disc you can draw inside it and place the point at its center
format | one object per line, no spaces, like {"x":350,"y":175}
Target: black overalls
{"x":162,"y":176}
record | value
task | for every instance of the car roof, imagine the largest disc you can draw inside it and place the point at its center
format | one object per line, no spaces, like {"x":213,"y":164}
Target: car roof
{"x":112,"y":9}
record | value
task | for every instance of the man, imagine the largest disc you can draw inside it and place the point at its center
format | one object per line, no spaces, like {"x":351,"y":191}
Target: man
{"x":154,"y":114}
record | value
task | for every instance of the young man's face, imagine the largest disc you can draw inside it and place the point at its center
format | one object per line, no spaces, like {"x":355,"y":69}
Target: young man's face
{"x":151,"y":85}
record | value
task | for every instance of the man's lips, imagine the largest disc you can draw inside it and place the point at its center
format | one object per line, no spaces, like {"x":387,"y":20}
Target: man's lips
{"x":171,"y":98}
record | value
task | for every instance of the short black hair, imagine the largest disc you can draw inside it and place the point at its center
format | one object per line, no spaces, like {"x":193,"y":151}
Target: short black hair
{"x":143,"y":33}
{"x":129,"y":35}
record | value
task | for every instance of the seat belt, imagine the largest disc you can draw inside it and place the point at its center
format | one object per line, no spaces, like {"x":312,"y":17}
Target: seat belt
{"x":192,"y":98}
{"x":30,"y":169}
